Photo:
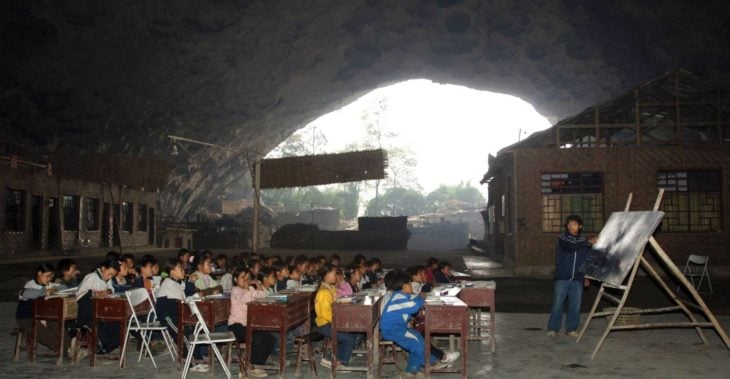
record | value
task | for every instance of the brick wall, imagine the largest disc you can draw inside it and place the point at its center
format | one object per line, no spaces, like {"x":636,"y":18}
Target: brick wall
{"x":630,"y":169}
{"x":37,"y":182}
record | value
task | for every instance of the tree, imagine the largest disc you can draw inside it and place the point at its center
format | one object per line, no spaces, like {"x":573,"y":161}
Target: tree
{"x":397,"y":201}
{"x":305,"y":141}
{"x":463,"y":192}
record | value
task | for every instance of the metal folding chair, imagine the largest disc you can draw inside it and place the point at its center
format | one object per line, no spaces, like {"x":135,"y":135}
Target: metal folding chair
{"x":145,"y":328}
{"x":202,"y":336}
{"x":696,"y":267}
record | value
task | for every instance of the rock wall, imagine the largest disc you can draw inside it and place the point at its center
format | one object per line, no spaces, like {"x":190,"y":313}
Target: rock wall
{"x":118,"y":76}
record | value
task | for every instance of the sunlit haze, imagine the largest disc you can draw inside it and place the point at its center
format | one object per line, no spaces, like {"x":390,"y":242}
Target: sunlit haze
{"x":451,"y":129}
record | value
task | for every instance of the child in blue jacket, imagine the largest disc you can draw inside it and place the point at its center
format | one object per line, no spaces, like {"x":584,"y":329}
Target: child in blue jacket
{"x":397,"y":312}
{"x":570,"y":253}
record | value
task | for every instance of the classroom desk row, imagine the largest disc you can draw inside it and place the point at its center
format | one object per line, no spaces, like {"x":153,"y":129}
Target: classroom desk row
{"x":449,"y":316}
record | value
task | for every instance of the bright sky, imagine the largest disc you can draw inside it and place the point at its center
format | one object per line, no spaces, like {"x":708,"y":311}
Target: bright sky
{"x":451,"y":129}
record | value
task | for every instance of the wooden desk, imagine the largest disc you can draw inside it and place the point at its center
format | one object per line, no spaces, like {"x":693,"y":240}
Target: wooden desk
{"x":58,"y":309}
{"x":360,"y":316}
{"x":478,"y":297}
{"x":451,"y":317}
{"x":277,"y":316}
{"x":112,"y":308}
{"x":215,"y":312}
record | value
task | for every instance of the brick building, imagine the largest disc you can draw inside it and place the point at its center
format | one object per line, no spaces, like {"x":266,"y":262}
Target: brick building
{"x":69,"y":201}
{"x":672,"y":132}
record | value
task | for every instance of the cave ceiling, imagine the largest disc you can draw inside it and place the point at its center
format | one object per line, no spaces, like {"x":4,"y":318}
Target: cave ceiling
{"x":119,"y":76}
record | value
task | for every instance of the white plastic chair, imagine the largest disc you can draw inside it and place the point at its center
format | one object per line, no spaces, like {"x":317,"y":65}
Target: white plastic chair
{"x":202,"y":336}
{"x":696,"y":267}
{"x":145,"y":328}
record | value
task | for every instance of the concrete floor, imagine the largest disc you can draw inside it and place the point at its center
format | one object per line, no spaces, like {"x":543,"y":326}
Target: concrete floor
{"x":523,"y":349}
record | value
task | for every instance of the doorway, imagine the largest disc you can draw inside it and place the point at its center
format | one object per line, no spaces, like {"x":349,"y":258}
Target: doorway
{"x":151,"y":227}
{"x":105,"y":226}
{"x":54,"y":219}
{"x":36,"y":222}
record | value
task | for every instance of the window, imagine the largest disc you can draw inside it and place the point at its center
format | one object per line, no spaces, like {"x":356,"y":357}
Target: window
{"x":127,"y":216}
{"x":70,"y":213}
{"x":691,"y":201}
{"x":578,"y":193}
{"x":142,"y":218}
{"x":14,"y":210}
{"x":91,"y":214}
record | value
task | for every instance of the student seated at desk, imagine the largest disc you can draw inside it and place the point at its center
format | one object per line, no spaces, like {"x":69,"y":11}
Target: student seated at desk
{"x":267,"y":278}
{"x":128,"y":260}
{"x":172,"y":291}
{"x":98,"y":284}
{"x":204,"y":283}
{"x":183,"y":255}
{"x":394,"y":325}
{"x":323,"y":301}
{"x":295,"y":278}
{"x":335,"y":260}
{"x":37,"y":288}
{"x":351,"y":284}
{"x":281,"y":271}
{"x":372,"y":267}
{"x":442,"y":274}
{"x":67,"y":273}
{"x":431,"y":267}
{"x":262,"y":343}
{"x":254,"y":265}
{"x":120,"y":281}
{"x":313,"y":269}
{"x":145,"y":269}
{"x":418,"y":277}
{"x":301,"y":265}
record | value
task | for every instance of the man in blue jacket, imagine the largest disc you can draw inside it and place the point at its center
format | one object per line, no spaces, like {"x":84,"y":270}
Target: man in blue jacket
{"x":571,"y":251}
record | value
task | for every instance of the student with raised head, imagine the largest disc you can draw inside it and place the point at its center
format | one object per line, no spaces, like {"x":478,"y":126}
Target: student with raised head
{"x":313,"y":269}
{"x":254,"y":265}
{"x":397,"y":312}
{"x":281,"y":271}
{"x":262,"y":343}
{"x":221,"y":263}
{"x":121,"y":282}
{"x":173,"y":289}
{"x":204,"y":283}
{"x":267,"y":278}
{"x":418,"y":278}
{"x":67,"y":273}
{"x":351,"y":284}
{"x":372,"y":268}
{"x":301,"y":263}
{"x":432,"y":264}
{"x":98,"y":284}
{"x":335,"y":260}
{"x":37,"y":288}
{"x":145,"y":269}
{"x":323,"y":301}
{"x":442,"y":274}
{"x":295,"y":278}
{"x":183,"y":255}
{"x":571,"y":252}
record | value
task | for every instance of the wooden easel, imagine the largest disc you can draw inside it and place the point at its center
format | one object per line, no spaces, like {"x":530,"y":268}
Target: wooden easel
{"x":681,"y":304}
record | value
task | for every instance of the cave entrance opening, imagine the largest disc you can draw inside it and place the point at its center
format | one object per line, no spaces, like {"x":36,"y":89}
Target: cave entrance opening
{"x":437,"y":137}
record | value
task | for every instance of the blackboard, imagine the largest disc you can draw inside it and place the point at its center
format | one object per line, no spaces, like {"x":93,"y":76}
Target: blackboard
{"x":619,"y":244}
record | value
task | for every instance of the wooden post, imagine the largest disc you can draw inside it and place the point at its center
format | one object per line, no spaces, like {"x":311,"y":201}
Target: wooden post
{"x":256,"y":204}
